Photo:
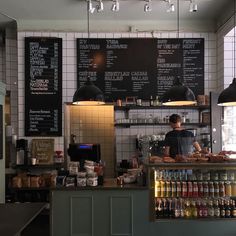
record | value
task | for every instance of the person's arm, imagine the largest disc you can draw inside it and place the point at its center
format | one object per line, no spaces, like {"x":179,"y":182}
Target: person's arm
{"x":197,"y":146}
{"x":167,"y":151}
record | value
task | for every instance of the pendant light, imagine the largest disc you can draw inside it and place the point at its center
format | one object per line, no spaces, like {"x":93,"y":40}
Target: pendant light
{"x":178,"y":94}
{"x":228,"y":96}
{"x":89,"y":93}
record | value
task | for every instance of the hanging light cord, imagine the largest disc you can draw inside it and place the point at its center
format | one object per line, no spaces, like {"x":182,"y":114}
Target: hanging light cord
{"x":178,"y":18}
{"x":234,"y":42}
{"x":88,"y":30}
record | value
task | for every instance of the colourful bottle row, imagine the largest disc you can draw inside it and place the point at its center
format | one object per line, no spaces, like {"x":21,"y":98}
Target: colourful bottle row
{"x":186,"y":208}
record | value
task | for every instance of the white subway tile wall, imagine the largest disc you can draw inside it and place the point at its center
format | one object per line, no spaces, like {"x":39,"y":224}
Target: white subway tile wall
{"x":125,"y":138}
{"x":94,"y":124}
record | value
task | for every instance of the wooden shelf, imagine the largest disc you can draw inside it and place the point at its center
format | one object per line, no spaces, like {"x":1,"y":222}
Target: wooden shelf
{"x":158,"y":124}
{"x":50,"y":166}
{"x":134,"y":107}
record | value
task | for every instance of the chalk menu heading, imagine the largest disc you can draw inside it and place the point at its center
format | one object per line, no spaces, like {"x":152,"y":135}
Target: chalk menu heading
{"x":43,"y":86}
{"x":140,"y":67}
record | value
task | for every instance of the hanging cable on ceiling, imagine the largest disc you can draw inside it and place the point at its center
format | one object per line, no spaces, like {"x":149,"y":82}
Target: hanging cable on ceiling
{"x":115,"y":6}
{"x":148,"y":6}
{"x":178,"y":94}
{"x":88,"y":94}
{"x":228,"y":96}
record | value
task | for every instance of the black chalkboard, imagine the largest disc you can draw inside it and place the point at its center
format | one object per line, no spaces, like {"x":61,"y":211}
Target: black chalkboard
{"x":1,"y":132}
{"x":140,"y":67}
{"x":43,"y":86}
{"x":182,"y":57}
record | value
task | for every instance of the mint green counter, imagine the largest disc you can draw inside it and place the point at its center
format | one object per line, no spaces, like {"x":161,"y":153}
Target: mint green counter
{"x":112,"y":210}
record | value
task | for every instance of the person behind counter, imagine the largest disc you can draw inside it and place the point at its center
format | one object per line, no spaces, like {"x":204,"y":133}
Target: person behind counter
{"x":179,"y":141}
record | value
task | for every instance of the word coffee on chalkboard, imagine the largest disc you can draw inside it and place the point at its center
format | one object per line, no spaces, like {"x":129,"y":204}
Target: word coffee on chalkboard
{"x":138,"y":67}
{"x":43,"y":86}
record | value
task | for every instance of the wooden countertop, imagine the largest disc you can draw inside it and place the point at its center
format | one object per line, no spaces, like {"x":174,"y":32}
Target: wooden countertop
{"x":109,"y":184}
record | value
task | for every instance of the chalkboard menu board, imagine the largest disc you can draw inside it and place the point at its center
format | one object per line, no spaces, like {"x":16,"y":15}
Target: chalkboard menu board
{"x":43,"y":86}
{"x":140,"y":67}
{"x":1,"y":132}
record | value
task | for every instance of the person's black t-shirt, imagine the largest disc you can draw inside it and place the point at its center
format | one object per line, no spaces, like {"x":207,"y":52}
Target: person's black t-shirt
{"x":180,"y":142}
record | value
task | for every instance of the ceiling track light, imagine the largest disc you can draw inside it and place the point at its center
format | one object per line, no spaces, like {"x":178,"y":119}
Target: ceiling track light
{"x":170,"y":6}
{"x":115,"y":6}
{"x":100,"y":6}
{"x":148,"y":6}
{"x":193,"y":6}
{"x":91,"y":9}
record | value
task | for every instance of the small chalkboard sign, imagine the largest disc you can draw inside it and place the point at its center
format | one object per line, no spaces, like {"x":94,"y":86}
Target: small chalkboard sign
{"x":43,"y":86}
{"x":42,"y":150}
{"x":1,"y":132}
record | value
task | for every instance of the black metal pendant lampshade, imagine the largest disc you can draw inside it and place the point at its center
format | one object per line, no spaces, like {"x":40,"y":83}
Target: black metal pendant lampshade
{"x":178,"y":95}
{"x":228,"y":96}
{"x":88,"y":94}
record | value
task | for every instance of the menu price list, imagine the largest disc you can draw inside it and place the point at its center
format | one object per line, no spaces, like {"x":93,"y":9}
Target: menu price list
{"x":140,"y":67}
{"x":119,"y":67}
{"x":43,"y":86}
{"x":182,"y":57}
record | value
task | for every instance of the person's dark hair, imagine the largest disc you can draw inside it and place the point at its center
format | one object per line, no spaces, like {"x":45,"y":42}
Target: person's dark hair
{"x":174,"y":118}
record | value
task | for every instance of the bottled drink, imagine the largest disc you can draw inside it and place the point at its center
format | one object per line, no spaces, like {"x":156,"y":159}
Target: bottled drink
{"x":190,"y":189}
{"x":157,"y":188}
{"x":163,"y":188}
{"x":216,"y":209}
{"x":200,"y":189}
{"x":178,"y":189}
{"x":217,"y":189}
{"x":184,"y":189}
{"x":221,"y":189}
{"x":156,"y":101}
{"x":165,"y":204}
{"x":151,"y":101}
{"x":194,"y":211}
{"x":173,"y":188}
{"x":168,"y":189}
{"x":171,"y":209}
{"x":210,"y":209}
{"x":227,"y":209}
{"x":211,"y":189}
{"x":159,"y":210}
{"x":233,"y":209}
{"x":222,"y":209}
{"x":205,"y":189}
{"x":176,"y":208}
{"x":228,"y":190}
{"x":195,"y":189}
{"x":187,"y":209}
{"x":199,"y":209}
{"x":181,"y":208}
{"x":204,"y":209}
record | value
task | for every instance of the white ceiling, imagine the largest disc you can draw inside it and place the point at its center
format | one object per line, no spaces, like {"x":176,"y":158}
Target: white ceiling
{"x":29,"y":11}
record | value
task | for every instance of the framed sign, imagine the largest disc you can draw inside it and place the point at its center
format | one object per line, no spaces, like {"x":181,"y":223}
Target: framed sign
{"x":43,"y":151}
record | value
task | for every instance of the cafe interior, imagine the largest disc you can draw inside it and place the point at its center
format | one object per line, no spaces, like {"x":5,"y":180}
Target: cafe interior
{"x":87,"y":88}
